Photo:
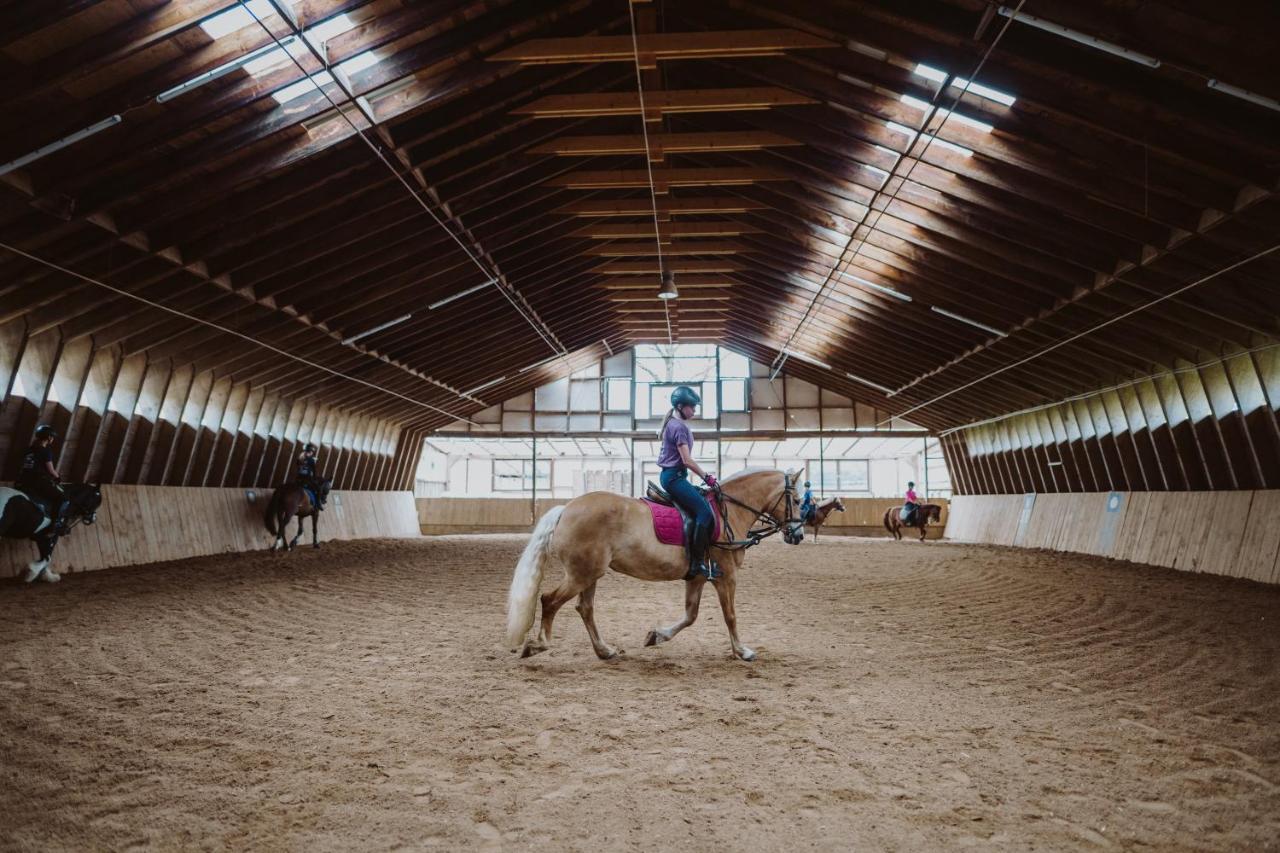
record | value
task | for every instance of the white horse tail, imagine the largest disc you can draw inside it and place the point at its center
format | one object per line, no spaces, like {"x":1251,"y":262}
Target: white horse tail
{"x":522,"y":601}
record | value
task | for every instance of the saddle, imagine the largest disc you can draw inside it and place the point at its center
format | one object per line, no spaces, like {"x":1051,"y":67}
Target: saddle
{"x":671,"y":524}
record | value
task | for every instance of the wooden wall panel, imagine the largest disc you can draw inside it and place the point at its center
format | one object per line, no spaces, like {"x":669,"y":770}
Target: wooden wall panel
{"x":1229,"y":533}
{"x":146,"y":524}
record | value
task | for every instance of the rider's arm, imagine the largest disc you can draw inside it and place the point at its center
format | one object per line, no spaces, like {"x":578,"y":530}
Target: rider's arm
{"x":53,"y":472}
{"x":689,"y":461}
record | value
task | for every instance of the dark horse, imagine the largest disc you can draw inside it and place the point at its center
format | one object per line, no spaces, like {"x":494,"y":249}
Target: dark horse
{"x":286,"y":502}
{"x":924,"y":514}
{"x":820,"y":513}
{"x":22,"y":518}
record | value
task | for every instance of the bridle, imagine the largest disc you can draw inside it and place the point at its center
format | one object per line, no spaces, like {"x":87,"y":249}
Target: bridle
{"x":791,"y":527}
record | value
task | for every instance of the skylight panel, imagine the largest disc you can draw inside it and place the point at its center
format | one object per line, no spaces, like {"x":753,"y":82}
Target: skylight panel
{"x":359,"y":62}
{"x":302,"y":87}
{"x":325,"y":30}
{"x":924,"y":106}
{"x":928,"y":72}
{"x":985,"y":91}
{"x":235,"y":18}
{"x":901,"y":128}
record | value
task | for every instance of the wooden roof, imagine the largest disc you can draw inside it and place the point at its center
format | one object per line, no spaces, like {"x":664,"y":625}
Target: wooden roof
{"x":777,"y":153}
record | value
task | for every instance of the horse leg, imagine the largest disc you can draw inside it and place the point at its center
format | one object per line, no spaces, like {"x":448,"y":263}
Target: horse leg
{"x":551,"y":602}
{"x":39,"y":570}
{"x":315,"y":537}
{"x":586,"y":609}
{"x":924,"y":528}
{"x":692,"y":597}
{"x":725,"y":588}
{"x":294,"y":541}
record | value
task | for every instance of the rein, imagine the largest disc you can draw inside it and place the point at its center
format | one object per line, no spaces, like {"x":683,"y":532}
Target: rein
{"x":755,"y":535}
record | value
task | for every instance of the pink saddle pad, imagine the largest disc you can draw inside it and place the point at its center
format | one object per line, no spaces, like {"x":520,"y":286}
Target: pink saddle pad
{"x":668,"y":526}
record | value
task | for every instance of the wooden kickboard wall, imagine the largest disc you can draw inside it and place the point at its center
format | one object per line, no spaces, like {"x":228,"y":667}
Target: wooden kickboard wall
{"x":148,"y":524}
{"x":862,"y":516}
{"x":1231,"y":533}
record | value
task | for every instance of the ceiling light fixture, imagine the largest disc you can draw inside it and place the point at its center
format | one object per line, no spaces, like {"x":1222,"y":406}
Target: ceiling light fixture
{"x":807,"y":358}
{"x":1244,"y":95}
{"x":1080,"y":38}
{"x":221,"y":70}
{"x":65,"y":141}
{"x":668,"y":289}
{"x":470,"y":290}
{"x":954,"y":316}
{"x":488,"y":384}
{"x":387,"y":325}
{"x":539,"y":364}
{"x":869,"y":383}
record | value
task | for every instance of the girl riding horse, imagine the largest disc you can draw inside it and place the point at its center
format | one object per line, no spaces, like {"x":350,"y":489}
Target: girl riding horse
{"x":676,"y":461}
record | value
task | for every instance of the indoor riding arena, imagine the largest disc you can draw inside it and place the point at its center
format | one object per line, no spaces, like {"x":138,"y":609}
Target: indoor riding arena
{"x":639,"y":425}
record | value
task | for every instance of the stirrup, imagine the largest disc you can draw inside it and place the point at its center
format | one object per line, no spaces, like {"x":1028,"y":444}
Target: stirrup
{"x":708,"y":569}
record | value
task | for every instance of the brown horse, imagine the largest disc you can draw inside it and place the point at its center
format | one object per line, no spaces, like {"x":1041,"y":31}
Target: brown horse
{"x":820,"y":513}
{"x":924,"y":514}
{"x":601,"y":531}
{"x":289,"y":501}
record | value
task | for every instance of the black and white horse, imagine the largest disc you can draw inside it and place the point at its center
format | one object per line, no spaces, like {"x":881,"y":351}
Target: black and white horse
{"x":22,"y":518}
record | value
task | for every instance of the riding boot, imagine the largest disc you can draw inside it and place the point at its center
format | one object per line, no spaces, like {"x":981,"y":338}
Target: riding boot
{"x":699,"y":561}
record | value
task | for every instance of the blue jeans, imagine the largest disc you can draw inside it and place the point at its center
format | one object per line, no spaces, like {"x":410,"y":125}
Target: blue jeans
{"x":676,"y":483}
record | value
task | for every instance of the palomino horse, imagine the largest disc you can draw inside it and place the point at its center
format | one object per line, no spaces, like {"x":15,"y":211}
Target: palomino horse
{"x":286,"y":502}
{"x":820,"y":513}
{"x":601,"y":531}
{"x":924,"y":514}
{"x":22,"y":518}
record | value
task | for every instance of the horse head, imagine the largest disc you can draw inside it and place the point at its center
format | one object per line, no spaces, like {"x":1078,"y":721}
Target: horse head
{"x":839,"y":505}
{"x":85,"y":499}
{"x":933,"y":512}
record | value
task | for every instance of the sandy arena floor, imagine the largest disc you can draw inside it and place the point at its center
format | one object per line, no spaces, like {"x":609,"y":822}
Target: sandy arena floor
{"x":907,"y":697}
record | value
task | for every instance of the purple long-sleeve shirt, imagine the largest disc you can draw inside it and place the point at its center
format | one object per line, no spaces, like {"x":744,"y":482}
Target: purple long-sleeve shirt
{"x":675,"y":433}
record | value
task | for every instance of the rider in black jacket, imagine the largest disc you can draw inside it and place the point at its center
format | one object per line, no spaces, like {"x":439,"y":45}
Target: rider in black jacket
{"x":38,"y":478}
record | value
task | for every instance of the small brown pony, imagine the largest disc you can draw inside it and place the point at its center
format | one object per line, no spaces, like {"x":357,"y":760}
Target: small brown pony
{"x":286,"y":502}
{"x":601,"y":531}
{"x":924,"y":514}
{"x":820,"y":513}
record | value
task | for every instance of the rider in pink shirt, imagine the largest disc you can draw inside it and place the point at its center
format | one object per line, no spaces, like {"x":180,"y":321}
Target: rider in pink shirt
{"x":909,"y":509}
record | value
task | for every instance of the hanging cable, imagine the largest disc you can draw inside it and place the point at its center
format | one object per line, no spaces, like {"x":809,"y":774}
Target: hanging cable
{"x":538,"y":326}
{"x":648,"y":161}
{"x":983,"y":378}
{"x":193,"y":318}
{"x":929,"y":139}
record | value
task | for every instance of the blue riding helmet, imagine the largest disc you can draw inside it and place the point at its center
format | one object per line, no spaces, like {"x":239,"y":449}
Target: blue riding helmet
{"x":685,"y":396}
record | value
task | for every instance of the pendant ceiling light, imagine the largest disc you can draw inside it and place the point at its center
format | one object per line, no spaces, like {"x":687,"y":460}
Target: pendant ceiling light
{"x":668,"y":289}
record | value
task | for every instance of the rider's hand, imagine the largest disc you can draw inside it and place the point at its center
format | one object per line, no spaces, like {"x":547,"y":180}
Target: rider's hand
{"x":711,"y":481}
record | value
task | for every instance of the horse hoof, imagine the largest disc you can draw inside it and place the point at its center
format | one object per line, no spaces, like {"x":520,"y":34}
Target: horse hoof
{"x":529,"y":650}
{"x":50,"y":576}
{"x":747,"y":654}
{"x":610,"y":654}
{"x":317,"y":545}
{"x":654,"y":639}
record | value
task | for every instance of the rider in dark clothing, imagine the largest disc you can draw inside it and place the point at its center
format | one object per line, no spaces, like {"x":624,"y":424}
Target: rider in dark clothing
{"x":38,"y":478}
{"x":307,"y":474}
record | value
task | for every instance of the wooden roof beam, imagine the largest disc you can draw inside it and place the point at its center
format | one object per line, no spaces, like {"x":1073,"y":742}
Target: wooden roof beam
{"x":659,"y":104}
{"x":694,"y":228}
{"x":661,"y":144}
{"x":677,"y":266}
{"x":651,"y":48}
{"x":663,"y":179}
{"x":650,"y":247}
{"x":666,"y":207}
